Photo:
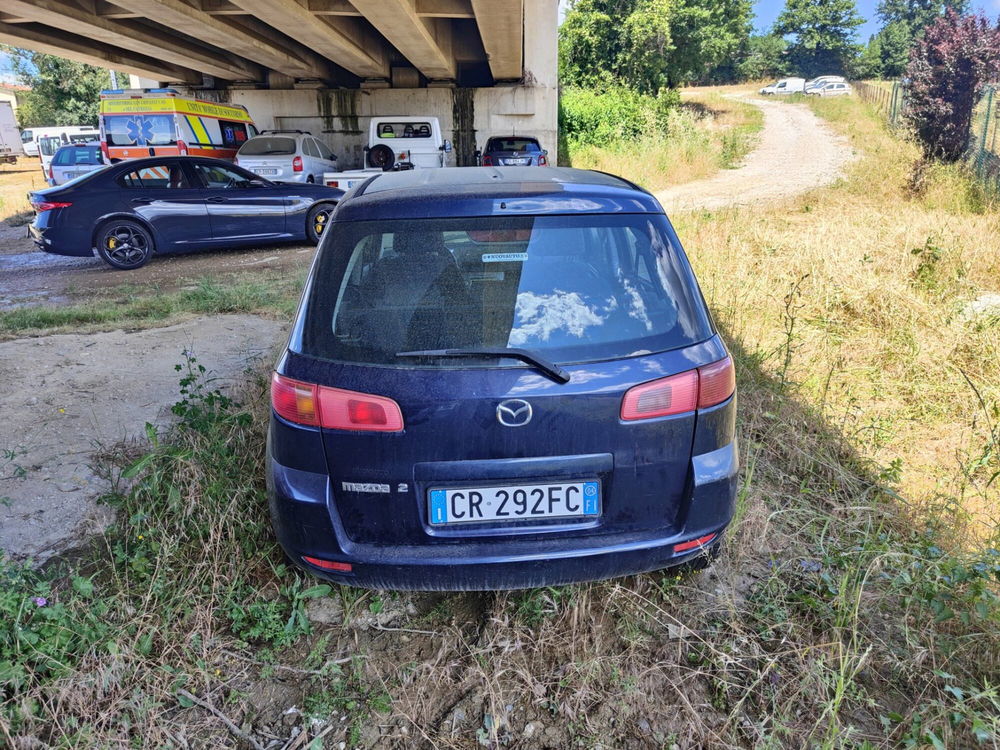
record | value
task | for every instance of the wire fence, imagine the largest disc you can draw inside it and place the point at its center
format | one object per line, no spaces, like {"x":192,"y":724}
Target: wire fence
{"x":889,"y":99}
{"x":984,"y":144}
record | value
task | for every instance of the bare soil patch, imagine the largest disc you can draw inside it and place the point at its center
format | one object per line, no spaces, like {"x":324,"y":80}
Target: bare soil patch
{"x":69,"y":396}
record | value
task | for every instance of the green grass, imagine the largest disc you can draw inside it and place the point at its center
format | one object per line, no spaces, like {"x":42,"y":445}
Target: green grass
{"x":706,"y":133}
{"x":138,"y":306}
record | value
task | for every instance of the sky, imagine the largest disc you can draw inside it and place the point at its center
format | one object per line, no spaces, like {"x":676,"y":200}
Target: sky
{"x":766,"y":11}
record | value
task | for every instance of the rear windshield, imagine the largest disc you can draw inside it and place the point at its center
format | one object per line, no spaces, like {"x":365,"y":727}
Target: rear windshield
{"x":573,"y":288}
{"x":529,"y":145}
{"x":265,"y":145}
{"x":77,"y":155}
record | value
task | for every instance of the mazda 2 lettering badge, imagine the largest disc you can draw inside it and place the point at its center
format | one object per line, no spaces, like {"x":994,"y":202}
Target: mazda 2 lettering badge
{"x":497,"y":379}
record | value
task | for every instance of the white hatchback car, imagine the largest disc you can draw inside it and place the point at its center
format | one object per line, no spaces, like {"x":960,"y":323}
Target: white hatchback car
{"x":69,"y":162}
{"x":287,"y":156}
{"x":833,"y":88}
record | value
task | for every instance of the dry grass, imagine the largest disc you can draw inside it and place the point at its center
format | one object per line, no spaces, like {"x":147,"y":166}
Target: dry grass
{"x":880,"y":281}
{"x":17,"y":180}
{"x":708,"y":132}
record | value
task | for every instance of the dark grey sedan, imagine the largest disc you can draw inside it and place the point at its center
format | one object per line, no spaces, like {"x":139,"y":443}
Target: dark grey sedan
{"x":131,"y":210}
{"x":514,"y":151}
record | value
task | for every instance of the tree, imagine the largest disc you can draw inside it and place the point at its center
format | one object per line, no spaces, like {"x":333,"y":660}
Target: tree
{"x":903,"y":22}
{"x":951,"y":64}
{"x":917,"y":14}
{"x":649,"y":44}
{"x":763,"y":57}
{"x":63,"y":92}
{"x":608,"y":41}
{"x":823,"y":32}
{"x":705,"y":33}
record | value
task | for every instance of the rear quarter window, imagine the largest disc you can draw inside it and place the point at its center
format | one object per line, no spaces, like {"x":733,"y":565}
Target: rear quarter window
{"x":574,"y":288}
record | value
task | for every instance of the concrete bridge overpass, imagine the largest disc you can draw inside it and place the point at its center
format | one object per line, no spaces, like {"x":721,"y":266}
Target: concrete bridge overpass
{"x":483,"y":66}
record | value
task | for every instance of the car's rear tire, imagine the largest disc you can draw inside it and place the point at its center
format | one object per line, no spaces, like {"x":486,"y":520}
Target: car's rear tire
{"x":310,"y":180}
{"x":125,"y":245}
{"x":317,"y":221}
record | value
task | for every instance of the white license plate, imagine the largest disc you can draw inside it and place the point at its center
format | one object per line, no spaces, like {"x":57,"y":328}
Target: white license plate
{"x":514,"y":502}
{"x":516,"y":162}
{"x":264,"y":171}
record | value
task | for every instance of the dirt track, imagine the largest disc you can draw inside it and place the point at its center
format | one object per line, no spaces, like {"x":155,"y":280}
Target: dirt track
{"x":67,"y":394}
{"x":797,"y":153}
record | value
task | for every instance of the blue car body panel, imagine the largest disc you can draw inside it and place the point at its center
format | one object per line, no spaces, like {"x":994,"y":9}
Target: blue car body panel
{"x":662,"y":481}
{"x":180,"y":219}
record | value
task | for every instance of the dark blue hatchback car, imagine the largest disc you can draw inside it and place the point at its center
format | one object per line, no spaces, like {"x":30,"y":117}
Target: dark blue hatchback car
{"x":500,"y":378}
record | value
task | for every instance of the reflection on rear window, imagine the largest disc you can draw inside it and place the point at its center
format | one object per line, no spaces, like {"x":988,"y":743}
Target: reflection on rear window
{"x":77,"y":155}
{"x":527,"y":145}
{"x":264,"y":145}
{"x":576,"y":288}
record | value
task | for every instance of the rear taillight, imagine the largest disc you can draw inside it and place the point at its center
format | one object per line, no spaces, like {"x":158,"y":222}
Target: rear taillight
{"x":182,"y":148}
{"x":295,"y":401}
{"x":49,"y":205}
{"x":333,"y":183}
{"x":51,"y":175}
{"x":333,"y":408}
{"x":661,"y":398}
{"x":104,"y":150}
{"x":687,"y":391}
{"x":297,"y":164}
{"x":717,"y":382}
{"x":542,"y":161}
{"x":487,"y":161}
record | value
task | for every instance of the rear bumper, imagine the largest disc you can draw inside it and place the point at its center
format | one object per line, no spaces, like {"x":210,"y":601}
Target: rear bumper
{"x":59,"y":241}
{"x":307,"y":525}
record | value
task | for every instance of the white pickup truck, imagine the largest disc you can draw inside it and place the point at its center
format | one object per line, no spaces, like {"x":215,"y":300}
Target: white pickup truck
{"x":396,"y":143}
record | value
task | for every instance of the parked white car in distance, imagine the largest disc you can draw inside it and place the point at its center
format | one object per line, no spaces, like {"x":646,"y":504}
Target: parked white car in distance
{"x":833,"y":88}
{"x":785,"y":86}
{"x":820,"y":81}
{"x":287,"y":156}
{"x":394,"y":143}
{"x":74,"y":160}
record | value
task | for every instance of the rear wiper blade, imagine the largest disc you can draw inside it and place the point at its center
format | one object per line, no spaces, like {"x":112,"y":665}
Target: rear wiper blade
{"x":551,"y":369}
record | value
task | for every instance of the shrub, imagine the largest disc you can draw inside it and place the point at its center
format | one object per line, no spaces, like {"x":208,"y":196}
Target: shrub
{"x":948,"y":69}
{"x":600,"y":118}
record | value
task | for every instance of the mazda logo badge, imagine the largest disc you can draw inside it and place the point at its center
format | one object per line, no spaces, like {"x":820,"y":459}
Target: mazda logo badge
{"x":514,"y":412}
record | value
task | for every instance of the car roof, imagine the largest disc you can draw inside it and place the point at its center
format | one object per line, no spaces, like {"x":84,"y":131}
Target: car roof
{"x":488,"y":191}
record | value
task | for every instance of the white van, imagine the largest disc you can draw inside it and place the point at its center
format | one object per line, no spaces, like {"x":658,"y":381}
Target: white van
{"x":30,"y":136}
{"x":785,"y":86}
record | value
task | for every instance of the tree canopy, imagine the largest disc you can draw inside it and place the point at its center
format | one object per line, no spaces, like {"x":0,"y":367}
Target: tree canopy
{"x":952,"y":61}
{"x":823,"y":34}
{"x":63,"y":92}
{"x":648,"y":45}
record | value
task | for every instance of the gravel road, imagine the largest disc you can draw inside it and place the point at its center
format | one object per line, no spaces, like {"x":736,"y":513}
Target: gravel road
{"x":797,"y":152}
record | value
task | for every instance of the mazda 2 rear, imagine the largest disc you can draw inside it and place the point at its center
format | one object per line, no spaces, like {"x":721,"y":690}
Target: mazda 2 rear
{"x":499,"y":378}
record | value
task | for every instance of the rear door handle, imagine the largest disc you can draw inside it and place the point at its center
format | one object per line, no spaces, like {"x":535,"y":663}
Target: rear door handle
{"x":142,"y":201}
{"x":216,"y":199}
